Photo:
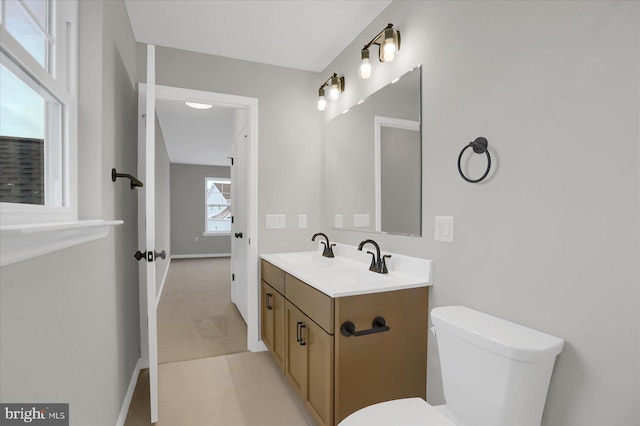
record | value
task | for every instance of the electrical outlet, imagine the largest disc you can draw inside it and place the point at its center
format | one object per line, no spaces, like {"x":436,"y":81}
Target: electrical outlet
{"x":444,"y":229}
{"x":302,"y":221}
{"x":337,"y":221}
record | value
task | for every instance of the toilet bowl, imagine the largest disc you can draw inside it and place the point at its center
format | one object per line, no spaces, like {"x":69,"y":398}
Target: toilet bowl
{"x":494,"y":372}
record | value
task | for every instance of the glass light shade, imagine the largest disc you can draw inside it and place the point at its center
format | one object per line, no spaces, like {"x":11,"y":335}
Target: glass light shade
{"x":389,"y":45}
{"x":322,"y":103}
{"x":334,"y":90}
{"x":365,"y":68}
{"x":389,"y":52}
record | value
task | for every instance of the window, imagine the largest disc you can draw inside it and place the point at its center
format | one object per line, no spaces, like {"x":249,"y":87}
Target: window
{"x":217,"y":206}
{"x":38,"y":110}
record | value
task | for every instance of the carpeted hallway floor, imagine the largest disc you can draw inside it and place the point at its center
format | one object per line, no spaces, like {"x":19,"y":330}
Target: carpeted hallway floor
{"x":196,"y":318}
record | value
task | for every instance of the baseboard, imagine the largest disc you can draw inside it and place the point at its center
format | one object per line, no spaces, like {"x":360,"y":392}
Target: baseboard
{"x":124,"y":410}
{"x":196,"y":256}
{"x":164,"y":280}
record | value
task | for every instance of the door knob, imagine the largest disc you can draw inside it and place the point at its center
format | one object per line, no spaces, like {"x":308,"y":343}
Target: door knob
{"x":238,"y":234}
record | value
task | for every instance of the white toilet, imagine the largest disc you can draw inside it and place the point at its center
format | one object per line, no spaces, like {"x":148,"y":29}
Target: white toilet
{"x":494,"y":372}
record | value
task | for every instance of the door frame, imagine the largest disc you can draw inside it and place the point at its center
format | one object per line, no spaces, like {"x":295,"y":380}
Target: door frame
{"x":254,"y":343}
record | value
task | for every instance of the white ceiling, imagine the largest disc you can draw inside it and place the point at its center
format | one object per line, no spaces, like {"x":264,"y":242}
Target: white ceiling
{"x":196,"y":136}
{"x":300,"y":34}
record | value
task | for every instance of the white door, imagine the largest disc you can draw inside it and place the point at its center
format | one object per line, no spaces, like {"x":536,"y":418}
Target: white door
{"x":146,"y":229}
{"x":239,"y":237}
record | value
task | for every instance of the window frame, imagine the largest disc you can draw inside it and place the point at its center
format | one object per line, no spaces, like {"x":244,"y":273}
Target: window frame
{"x":60,"y":81}
{"x":206,"y":213}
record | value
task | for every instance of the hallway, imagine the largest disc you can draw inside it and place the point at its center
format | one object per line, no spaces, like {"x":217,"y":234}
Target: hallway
{"x":196,"y":318}
{"x":206,"y":375}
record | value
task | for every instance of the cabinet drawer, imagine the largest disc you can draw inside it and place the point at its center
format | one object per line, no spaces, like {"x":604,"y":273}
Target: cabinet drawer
{"x":315,"y":304}
{"x":273,"y":276}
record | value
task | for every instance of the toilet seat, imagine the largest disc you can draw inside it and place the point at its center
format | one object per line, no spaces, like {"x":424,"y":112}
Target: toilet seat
{"x":399,"y":412}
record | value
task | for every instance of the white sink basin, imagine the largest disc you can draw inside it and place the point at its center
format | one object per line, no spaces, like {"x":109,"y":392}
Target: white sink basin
{"x":307,"y":259}
{"x":348,"y":273}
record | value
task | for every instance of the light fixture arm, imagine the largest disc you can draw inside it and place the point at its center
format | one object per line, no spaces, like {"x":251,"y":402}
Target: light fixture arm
{"x":373,"y":40}
{"x":379,"y":39}
{"x":326,"y":83}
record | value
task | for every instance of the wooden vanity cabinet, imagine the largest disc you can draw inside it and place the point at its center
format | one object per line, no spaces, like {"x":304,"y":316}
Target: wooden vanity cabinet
{"x":334,"y":374}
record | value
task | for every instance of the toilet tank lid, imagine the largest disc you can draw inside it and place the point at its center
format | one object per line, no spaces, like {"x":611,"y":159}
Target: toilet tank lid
{"x":497,"y":335}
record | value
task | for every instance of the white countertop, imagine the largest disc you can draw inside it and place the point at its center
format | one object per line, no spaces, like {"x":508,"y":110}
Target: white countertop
{"x":347,"y":274}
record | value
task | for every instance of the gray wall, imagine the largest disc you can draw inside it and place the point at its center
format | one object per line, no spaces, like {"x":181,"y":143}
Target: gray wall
{"x":163,"y":206}
{"x":290,"y":133}
{"x":188,"y":211}
{"x":69,"y":320}
{"x":551,"y":239}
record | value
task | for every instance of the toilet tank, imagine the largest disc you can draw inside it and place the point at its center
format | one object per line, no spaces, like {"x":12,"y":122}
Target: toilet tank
{"x":494,"y":372}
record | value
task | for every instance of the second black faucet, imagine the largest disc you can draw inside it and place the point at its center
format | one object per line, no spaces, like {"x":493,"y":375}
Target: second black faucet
{"x":378,"y":263}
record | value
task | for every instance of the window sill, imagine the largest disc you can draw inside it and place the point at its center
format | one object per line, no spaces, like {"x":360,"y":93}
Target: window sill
{"x":22,"y":242}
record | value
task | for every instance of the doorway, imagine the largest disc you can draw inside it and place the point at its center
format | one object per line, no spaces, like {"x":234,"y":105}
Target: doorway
{"x":244,"y":253}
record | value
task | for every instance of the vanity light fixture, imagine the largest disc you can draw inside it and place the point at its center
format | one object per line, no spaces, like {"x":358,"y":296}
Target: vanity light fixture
{"x":197,"y":105}
{"x":388,"y":41}
{"x":335,"y":85}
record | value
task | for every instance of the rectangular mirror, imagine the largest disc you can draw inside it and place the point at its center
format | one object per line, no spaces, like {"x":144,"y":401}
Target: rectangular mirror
{"x":373,"y":162}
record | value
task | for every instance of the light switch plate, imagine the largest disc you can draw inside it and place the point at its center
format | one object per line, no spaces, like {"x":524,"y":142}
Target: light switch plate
{"x":444,"y":229}
{"x":275,"y":221}
{"x":302,"y":221}
{"x":337,"y":221}
{"x":361,"y":220}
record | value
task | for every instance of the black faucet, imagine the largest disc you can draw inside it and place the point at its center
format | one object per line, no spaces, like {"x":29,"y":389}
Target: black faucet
{"x":378,"y":263}
{"x":328,"y":248}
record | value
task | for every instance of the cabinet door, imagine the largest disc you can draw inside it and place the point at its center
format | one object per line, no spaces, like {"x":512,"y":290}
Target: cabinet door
{"x":309,"y":364}
{"x":319,"y":400}
{"x":296,"y":360}
{"x":272,"y":308}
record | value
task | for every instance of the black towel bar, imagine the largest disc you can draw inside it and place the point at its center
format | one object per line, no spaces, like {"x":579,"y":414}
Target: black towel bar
{"x":349,"y":329}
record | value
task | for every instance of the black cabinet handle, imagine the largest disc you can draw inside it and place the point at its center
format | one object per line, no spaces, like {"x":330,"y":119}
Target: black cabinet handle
{"x":238,"y":234}
{"x":268,"y":301}
{"x":379,"y":325}
{"x":300,"y":325}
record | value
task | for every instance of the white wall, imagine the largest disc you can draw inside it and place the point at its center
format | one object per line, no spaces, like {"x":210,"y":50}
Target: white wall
{"x":551,"y":240}
{"x":69,"y":320}
{"x":289,"y":147}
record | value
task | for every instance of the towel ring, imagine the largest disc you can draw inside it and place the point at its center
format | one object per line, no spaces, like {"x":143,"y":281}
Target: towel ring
{"x":479,"y":147}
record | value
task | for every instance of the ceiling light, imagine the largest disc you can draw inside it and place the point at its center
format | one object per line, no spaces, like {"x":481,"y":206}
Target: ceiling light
{"x":388,"y":41}
{"x":197,"y":105}
{"x":335,"y":85}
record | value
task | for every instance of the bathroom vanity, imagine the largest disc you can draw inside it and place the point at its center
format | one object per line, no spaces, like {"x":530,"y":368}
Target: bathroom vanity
{"x":343,"y":336}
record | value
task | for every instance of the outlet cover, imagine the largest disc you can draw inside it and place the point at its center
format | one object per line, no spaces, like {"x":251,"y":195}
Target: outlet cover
{"x":337,"y":221}
{"x":444,"y":229}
